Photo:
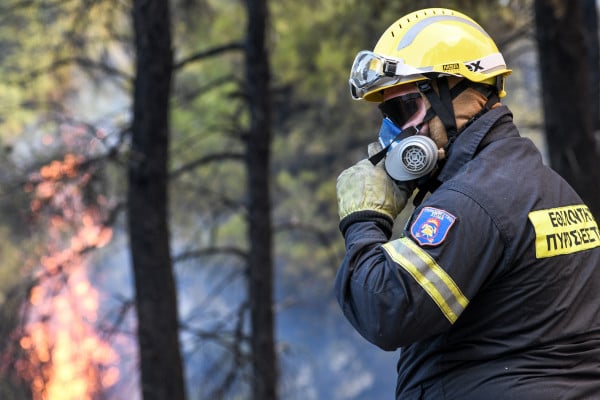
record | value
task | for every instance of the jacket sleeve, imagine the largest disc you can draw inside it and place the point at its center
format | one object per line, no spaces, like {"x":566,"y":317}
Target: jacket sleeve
{"x":398,"y":292}
{"x":373,"y":294}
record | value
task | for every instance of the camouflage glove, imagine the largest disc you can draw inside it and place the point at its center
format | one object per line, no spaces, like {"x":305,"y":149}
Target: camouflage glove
{"x":366,"y":192}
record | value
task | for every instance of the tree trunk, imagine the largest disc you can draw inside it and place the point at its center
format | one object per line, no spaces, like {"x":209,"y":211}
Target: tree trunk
{"x":260,"y":284}
{"x":567,"y":37}
{"x":156,"y":297}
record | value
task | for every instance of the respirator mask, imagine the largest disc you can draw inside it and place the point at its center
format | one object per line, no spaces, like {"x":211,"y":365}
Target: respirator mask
{"x":408,"y":156}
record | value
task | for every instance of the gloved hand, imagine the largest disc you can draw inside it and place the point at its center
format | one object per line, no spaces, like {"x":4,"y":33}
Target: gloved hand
{"x":365,"y":191}
{"x":407,"y":188}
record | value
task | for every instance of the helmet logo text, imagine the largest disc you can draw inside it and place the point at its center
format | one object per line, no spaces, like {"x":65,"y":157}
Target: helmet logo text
{"x":474,"y":66}
{"x":450,"y":67}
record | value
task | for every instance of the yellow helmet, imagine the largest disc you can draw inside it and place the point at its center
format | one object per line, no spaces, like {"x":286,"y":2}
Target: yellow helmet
{"x":426,"y":44}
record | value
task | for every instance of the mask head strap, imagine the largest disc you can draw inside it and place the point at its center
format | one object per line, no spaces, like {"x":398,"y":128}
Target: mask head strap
{"x":441,"y":105}
{"x":403,"y":134}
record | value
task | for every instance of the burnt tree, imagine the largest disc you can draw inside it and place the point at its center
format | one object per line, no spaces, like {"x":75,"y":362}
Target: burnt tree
{"x":567,"y":39}
{"x":156,"y":296}
{"x":258,"y":141}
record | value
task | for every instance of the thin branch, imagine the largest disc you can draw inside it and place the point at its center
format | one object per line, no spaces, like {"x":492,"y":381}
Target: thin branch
{"x":211,"y":251}
{"x":239,"y":357}
{"x":110,"y":328}
{"x":294,"y":225}
{"x":322,"y":236}
{"x":188,"y":95}
{"x":208,"y":53}
{"x":524,"y":31}
{"x":206,"y":160}
{"x":82,"y":62}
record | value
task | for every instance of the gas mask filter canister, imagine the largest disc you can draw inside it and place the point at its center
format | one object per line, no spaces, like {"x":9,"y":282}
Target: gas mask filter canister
{"x":408,"y":157}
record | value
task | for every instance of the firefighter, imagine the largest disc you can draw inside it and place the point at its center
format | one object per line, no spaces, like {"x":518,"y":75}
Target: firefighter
{"x":492,"y":288}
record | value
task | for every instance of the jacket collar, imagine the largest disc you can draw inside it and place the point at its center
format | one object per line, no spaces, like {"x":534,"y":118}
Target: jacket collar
{"x":464,"y":148}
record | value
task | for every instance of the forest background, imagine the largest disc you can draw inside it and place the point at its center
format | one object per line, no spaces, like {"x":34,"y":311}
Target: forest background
{"x":168,"y":223}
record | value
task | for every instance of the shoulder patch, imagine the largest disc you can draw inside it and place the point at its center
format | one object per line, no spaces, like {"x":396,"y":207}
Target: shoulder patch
{"x":431,"y":226}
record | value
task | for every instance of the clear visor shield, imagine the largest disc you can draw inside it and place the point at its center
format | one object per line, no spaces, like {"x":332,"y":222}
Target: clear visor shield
{"x":367,"y":68}
{"x":371,"y":70}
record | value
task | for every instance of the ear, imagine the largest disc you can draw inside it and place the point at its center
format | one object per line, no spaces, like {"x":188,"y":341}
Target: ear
{"x":466,"y":105}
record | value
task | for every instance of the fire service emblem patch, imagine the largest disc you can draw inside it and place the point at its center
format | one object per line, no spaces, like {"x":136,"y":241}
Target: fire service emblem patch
{"x":431,"y":226}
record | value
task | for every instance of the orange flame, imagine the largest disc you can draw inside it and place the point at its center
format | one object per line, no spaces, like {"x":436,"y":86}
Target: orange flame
{"x":68,"y":359}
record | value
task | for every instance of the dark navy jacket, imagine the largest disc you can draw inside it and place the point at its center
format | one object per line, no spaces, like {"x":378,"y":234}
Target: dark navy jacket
{"x":493,"y":290}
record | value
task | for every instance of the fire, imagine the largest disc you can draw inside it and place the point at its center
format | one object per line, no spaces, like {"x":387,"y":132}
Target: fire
{"x":67,"y":358}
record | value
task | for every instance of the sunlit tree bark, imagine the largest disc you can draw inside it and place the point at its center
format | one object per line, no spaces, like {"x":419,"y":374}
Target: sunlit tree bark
{"x":156,"y":296}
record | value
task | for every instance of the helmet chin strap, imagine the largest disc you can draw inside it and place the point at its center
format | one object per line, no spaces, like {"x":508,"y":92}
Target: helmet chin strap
{"x":441,"y":105}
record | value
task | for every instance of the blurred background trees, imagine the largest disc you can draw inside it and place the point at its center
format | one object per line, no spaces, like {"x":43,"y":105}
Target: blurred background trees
{"x":567,"y":39}
{"x":241,"y":144}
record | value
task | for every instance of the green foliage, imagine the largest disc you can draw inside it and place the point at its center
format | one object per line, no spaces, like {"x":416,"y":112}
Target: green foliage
{"x":41,"y":46}
{"x":12,"y":261}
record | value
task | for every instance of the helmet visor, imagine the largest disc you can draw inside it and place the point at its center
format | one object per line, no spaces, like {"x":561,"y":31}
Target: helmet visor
{"x":367,"y":68}
{"x":371,"y":70}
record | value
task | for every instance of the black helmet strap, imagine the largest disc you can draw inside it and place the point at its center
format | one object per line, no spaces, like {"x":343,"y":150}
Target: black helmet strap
{"x":442,"y":104}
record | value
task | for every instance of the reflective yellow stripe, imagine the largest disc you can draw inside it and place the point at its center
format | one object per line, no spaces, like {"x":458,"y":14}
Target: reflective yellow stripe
{"x":418,"y":27}
{"x":564,"y":230}
{"x":429,"y":275}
